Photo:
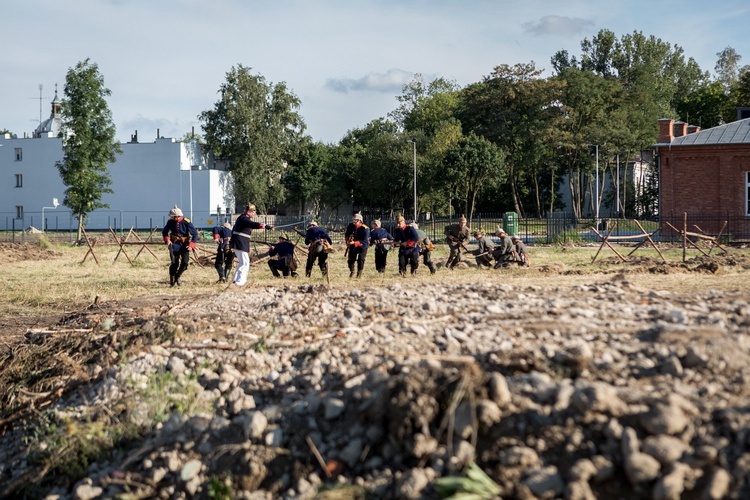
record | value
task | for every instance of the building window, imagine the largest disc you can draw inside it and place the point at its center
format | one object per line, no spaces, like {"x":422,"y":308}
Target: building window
{"x":19,"y":180}
{"x":747,"y":193}
{"x":19,"y":154}
{"x":19,"y":212}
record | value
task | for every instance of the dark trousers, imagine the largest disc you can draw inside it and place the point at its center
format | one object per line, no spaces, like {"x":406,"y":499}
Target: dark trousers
{"x":408,"y":258}
{"x":455,"y":255}
{"x":358,"y":255}
{"x":381,"y":257}
{"x":224,"y":259}
{"x":180,"y":261}
{"x":279,"y":265}
{"x":321,"y":257}
{"x":427,"y":260}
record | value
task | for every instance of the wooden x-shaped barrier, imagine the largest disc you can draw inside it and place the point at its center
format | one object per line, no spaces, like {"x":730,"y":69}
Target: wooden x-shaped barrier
{"x":608,"y":237}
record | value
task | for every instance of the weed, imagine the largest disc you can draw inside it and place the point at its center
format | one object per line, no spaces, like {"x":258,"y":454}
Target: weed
{"x":220,"y":489}
{"x":163,"y":394}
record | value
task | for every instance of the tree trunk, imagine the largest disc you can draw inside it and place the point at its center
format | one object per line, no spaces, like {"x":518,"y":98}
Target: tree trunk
{"x":80,"y":227}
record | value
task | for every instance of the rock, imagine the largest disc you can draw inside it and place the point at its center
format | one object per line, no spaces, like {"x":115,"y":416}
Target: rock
{"x":413,"y":482}
{"x":664,"y":419}
{"x":176,"y":365}
{"x":598,"y":397}
{"x":333,"y":408}
{"x":87,"y":492}
{"x":352,"y":452}
{"x":579,"y":490}
{"x":671,"y":485}
{"x":718,"y":485}
{"x":666,"y":449}
{"x":190,"y":470}
{"x":488,"y":413}
{"x":545,"y":482}
{"x":254,"y":425}
{"x":498,"y":390}
{"x":520,"y":456}
{"x":639,"y":467}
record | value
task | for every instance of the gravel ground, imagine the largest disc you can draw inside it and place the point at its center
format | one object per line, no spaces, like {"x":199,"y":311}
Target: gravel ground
{"x":601,"y":390}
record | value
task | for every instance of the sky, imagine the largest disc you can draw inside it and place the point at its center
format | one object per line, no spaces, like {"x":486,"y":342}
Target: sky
{"x":346,"y":60}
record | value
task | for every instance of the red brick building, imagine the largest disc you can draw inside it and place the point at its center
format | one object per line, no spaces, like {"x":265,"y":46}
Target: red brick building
{"x":706,"y":174}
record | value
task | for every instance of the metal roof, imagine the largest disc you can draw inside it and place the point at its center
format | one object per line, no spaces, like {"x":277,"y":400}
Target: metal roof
{"x":731,"y":133}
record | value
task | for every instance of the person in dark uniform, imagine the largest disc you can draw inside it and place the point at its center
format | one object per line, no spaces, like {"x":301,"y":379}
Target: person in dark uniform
{"x":181,"y":237}
{"x":520,"y":253}
{"x":483,"y":254}
{"x":359,"y":242}
{"x":284,"y":262}
{"x":224,"y":255}
{"x":240,"y":242}
{"x":350,"y":228}
{"x":319,"y":244}
{"x":407,"y":239}
{"x":503,"y":253}
{"x":425,"y":248}
{"x":456,"y":235}
{"x":380,"y":239}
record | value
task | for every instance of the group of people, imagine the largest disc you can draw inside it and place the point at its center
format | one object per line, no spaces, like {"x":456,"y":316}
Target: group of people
{"x":411,"y":242}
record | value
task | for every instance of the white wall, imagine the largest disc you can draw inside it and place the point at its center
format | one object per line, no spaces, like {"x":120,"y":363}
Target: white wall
{"x":148,"y":179}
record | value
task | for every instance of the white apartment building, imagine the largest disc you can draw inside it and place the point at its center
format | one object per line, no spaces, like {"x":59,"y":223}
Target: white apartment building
{"x":148,"y":179}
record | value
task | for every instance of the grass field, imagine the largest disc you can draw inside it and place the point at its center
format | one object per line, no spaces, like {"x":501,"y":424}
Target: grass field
{"x":61,"y":281}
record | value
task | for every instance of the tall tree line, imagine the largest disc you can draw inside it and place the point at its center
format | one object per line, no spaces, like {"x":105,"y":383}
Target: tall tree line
{"x":516,"y":140}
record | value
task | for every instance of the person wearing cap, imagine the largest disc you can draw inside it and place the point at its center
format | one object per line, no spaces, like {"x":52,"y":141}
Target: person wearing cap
{"x":483,"y":254}
{"x":520,"y":253}
{"x":503,"y":252}
{"x":359,"y":242}
{"x":407,"y":239}
{"x":240,"y":242}
{"x":319,"y":244}
{"x":426,"y":246}
{"x":456,"y":235}
{"x":181,"y":237}
{"x":379,"y":238}
{"x":284,"y":262}
{"x":350,"y":228}
{"x":224,"y":255}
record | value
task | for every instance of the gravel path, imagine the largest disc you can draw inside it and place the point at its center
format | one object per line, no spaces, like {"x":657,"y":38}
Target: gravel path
{"x":596,"y":391}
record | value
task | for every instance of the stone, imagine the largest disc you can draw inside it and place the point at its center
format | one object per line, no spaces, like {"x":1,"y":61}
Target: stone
{"x":498,"y":390}
{"x":545,"y":482}
{"x":666,"y":449}
{"x":333,"y":408}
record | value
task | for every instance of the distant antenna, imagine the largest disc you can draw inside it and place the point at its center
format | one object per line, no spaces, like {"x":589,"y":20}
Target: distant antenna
{"x":41,"y":99}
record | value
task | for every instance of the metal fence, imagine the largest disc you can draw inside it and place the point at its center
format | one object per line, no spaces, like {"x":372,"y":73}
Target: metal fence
{"x":556,"y":228}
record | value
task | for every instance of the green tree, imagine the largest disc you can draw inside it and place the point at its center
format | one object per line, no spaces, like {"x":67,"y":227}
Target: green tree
{"x":256,"y":126}
{"x":88,"y":141}
{"x":304,"y":178}
{"x":728,"y":67}
{"x":516,"y":110}
{"x":471,"y":165}
{"x":707,"y":106}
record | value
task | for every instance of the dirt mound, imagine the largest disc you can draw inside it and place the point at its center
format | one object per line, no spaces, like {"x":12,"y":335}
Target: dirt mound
{"x":14,"y":252}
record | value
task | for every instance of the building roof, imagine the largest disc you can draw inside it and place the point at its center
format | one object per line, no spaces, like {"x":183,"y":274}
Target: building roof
{"x":737,"y":132}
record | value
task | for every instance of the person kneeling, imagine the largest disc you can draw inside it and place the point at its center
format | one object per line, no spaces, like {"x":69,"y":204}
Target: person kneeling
{"x":284,"y":263}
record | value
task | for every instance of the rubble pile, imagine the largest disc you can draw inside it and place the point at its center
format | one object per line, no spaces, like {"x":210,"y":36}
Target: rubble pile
{"x":595,"y":391}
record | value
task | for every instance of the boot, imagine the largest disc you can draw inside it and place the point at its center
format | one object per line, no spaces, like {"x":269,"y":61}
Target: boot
{"x":402,"y":273}
{"x":359,"y":273}
{"x":432,"y":269}
{"x":351,"y":272}
{"x":413,"y":272}
{"x":308,"y":273}
{"x":171,"y":281}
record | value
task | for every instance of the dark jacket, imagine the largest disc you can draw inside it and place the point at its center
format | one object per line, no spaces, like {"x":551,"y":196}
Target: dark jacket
{"x":180,"y":233}
{"x":408,"y":239}
{"x":282,"y":249}
{"x":316,"y":233}
{"x":361,"y":234}
{"x":379,"y":235}
{"x":243,"y":228}
{"x":221,"y":236}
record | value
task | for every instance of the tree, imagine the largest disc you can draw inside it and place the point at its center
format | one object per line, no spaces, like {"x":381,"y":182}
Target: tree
{"x":88,"y":141}
{"x":728,"y":67}
{"x":516,"y":110}
{"x":470,"y":165}
{"x":256,"y":126}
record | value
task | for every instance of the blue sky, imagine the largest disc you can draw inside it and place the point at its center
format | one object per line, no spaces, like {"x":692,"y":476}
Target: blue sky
{"x":346,"y":60}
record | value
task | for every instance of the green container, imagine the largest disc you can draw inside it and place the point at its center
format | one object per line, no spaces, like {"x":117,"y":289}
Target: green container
{"x":510,"y":223}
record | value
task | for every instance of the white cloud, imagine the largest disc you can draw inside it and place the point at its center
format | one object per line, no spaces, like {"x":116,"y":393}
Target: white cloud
{"x":558,"y":25}
{"x":392,"y":81}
